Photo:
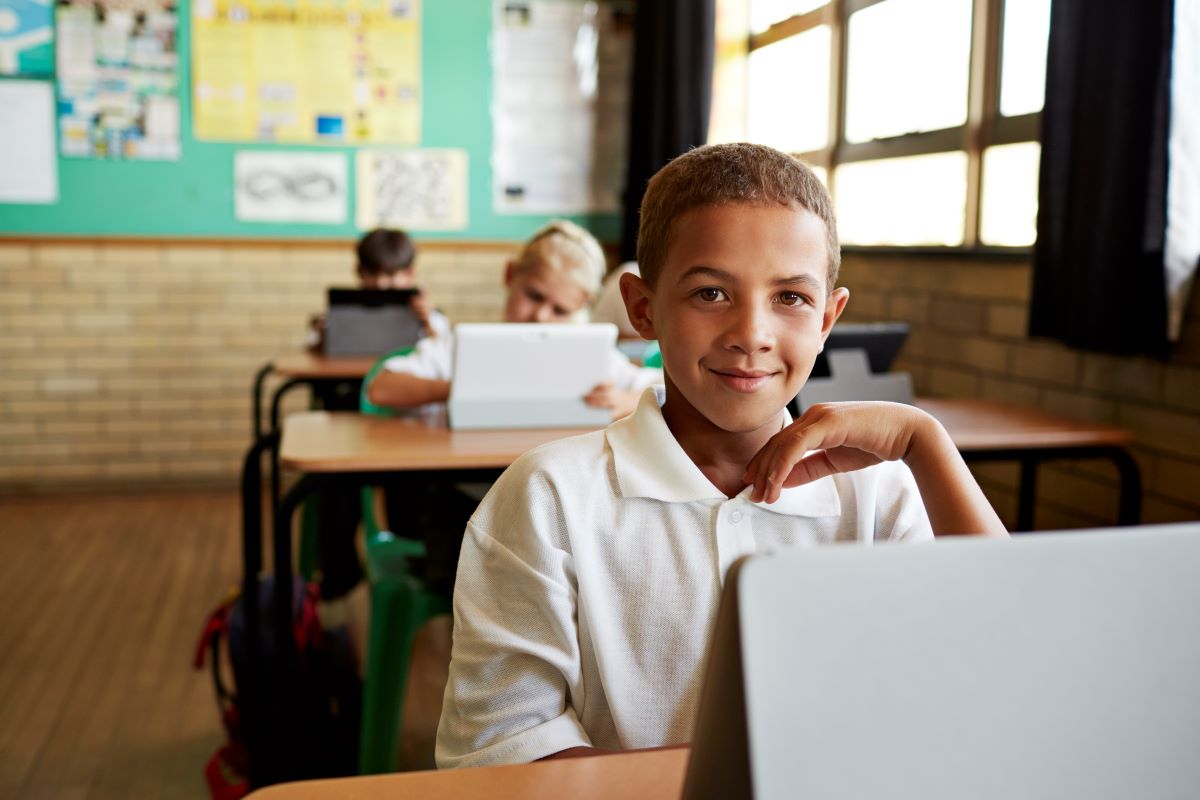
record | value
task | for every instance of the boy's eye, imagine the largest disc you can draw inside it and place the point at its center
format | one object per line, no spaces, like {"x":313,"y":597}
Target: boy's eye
{"x":790,"y":298}
{"x":710,"y":294}
{"x":534,"y":296}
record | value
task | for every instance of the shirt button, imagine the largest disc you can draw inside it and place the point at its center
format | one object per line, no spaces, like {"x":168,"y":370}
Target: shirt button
{"x":735,"y":517}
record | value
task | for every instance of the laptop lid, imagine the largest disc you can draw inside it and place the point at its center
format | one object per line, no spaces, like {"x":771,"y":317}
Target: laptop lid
{"x":526,"y":375}
{"x":368,"y":322}
{"x":1055,"y":665}
{"x":881,"y":341}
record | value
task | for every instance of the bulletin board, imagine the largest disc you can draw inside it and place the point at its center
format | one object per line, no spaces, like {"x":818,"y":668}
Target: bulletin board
{"x":193,"y":197}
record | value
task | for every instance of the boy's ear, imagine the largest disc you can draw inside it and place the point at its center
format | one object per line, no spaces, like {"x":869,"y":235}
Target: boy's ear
{"x":834,"y":306}
{"x":636,"y":295}
{"x":510,"y":269}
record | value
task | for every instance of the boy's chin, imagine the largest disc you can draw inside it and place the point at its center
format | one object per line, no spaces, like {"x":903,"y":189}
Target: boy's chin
{"x":745,"y":424}
{"x":741,"y":420}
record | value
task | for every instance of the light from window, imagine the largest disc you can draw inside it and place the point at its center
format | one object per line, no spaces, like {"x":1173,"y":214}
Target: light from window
{"x":822,"y":175}
{"x":1010,"y":195}
{"x":916,"y":200}
{"x":907,"y":68}
{"x":788,"y":103}
{"x":1023,"y":60}
{"x":765,"y":13}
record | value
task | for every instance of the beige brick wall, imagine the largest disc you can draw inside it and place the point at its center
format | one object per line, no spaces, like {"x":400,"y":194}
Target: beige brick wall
{"x":131,"y":363}
{"x":969,"y":318}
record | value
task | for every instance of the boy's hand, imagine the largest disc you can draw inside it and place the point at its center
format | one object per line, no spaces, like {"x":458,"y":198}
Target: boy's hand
{"x":837,"y":437}
{"x":420,"y":306}
{"x":316,"y":334}
{"x":621,"y":402}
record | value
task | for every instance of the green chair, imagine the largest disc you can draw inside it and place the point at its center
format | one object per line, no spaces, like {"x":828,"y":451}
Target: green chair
{"x":653,"y":356}
{"x":400,"y":604}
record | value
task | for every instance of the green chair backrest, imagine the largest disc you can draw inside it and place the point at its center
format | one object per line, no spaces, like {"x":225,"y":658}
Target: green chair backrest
{"x":652,"y":356}
{"x":365,"y":405}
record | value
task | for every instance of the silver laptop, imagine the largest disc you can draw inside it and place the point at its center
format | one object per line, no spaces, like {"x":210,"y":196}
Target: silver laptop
{"x":1061,"y":665}
{"x":525,"y":375}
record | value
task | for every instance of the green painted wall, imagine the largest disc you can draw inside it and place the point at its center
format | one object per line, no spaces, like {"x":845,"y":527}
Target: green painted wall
{"x":193,"y":197}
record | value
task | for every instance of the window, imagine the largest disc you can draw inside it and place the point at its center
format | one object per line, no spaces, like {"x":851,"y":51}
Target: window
{"x":921,"y":115}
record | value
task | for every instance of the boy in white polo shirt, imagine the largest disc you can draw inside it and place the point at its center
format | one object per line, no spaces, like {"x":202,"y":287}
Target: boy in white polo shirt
{"x":590,"y":574}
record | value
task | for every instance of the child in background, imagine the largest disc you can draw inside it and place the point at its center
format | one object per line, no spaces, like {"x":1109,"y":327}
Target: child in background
{"x":590,"y":574}
{"x":552,"y":279}
{"x":385,"y":261}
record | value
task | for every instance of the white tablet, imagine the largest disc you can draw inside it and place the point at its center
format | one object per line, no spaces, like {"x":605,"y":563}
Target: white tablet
{"x":517,"y":375}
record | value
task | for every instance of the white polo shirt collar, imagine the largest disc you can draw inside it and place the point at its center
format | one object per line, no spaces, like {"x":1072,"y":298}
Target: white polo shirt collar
{"x":650,"y":463}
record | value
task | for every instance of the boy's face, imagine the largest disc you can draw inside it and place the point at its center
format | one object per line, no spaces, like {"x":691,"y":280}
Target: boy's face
{"x":541,"y":294}
{"x":401,"y":279}
{"x":741,"y":308}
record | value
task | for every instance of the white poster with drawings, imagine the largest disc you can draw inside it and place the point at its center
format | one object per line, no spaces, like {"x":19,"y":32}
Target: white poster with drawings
{"x":28,"y":164}
{"x":560,"y":105}
{"x":276,"y":186}
{"x":424,"y":190}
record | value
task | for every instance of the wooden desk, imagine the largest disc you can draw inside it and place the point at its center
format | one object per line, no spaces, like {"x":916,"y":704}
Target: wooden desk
{"x":303,"y":368}
{"x":330,"y":442}
{"x":650,"y":775}
{"x":985,"y":430}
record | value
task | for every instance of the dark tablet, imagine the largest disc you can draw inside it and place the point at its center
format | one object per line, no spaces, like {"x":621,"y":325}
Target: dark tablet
{"x":881,"y":341}
{"x":367,"y":322}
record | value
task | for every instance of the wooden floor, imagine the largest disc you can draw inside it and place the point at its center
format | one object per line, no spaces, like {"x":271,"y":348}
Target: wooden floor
{"x":102,"y":599}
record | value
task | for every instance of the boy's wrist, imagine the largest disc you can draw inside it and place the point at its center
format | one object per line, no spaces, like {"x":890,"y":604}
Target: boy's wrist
{"x":927,"y":440}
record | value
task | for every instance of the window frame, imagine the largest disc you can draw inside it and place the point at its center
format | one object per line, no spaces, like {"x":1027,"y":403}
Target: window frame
{"x":984,"y":126}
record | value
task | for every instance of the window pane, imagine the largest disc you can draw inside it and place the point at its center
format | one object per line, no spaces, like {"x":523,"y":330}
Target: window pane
{"x":907,"y":68}
{"x":917,"y":200}
{"x":788,"y":103}
{"x":1023,"y":65}
{"x":1010,"y":190}
{"x":764,"y":13}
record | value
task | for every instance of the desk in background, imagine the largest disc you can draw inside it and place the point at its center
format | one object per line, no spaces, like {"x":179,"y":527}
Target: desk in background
{"x":647,"y":775}
{"x":302,"y":369}
{"x":985,"y":430}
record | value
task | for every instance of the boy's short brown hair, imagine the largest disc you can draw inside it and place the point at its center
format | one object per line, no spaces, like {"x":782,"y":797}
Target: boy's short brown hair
{"x":720,"y":174}
{"x":385,"y":251}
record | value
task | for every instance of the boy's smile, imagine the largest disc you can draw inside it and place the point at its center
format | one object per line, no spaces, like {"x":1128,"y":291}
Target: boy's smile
{"x":741,"y":308}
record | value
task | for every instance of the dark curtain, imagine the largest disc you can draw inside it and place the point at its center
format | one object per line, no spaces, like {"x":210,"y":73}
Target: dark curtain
{"x":671,"y":94}
{"x":1098,"y":279}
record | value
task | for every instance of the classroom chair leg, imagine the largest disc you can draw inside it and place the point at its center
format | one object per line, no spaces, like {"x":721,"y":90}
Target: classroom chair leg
{"x":398,"y":609}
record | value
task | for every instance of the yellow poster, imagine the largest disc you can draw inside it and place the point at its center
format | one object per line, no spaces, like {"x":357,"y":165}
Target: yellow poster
{"x":307,"y":71}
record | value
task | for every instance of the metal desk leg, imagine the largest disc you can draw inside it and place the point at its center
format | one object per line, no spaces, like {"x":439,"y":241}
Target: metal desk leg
{"x":1129,"y":510}
{"x":251,"y":683}
{"x":276,"y":401}
{"x":256,"y":394}
{"x":1027,"y":494}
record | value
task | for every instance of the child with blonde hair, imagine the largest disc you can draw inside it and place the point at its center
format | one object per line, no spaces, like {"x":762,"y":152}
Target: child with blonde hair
{"x":553,"y":278}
